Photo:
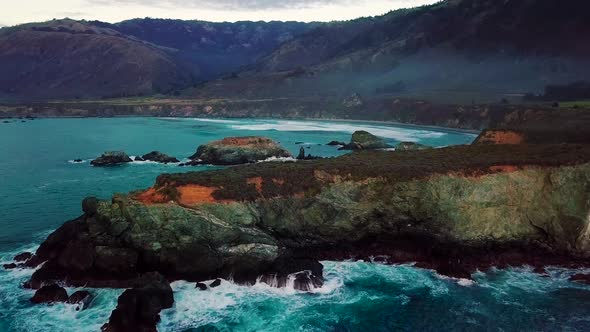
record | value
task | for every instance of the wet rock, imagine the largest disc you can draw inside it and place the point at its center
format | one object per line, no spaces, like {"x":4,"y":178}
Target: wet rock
{"x":201,"y":286}
{"x":239,"y":150}
{"x":111,"y":158}
{"x":159,"y":157}
{"x":304,"y":273}
{"x":138,"y":158}
{"x":215,"y":283}
{"x":138,"y":309}
{"x":50,"y":294}
{"x":82,"y":300}
{"x":23,"y":257}
{"x":78,"y":160}
{"x":9,"y":266}
{"x":336,"y":143}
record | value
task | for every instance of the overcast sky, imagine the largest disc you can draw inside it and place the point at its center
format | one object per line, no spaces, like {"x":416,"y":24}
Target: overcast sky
{"x":21,"y":11}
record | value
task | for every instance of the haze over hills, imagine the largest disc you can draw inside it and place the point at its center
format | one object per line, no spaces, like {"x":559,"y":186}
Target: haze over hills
{"x":455,"y":50}
{"x":459,"y":50}
{"x":80,"y":59}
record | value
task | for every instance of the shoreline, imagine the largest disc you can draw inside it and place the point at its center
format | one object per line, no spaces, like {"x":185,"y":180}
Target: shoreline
{"x":339,"y":120}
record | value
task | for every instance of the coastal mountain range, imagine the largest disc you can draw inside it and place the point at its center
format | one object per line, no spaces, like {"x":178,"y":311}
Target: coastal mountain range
{"x":459,"y":50}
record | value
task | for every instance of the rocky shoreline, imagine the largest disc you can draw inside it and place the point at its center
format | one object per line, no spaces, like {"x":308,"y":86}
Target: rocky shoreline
{"x":509,"y":199}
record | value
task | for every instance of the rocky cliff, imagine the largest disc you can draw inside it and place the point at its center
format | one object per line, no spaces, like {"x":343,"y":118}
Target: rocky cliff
{"x":454,"y":210}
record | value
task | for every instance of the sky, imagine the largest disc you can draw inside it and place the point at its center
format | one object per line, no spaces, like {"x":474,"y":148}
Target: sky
{"x":21,"y":11}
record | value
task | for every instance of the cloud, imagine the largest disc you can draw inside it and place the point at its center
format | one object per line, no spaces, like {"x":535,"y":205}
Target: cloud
{"x":249,"y":5}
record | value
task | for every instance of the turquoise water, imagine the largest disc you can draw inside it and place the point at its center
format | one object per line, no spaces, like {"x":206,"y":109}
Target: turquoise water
{"x":40,"y":188}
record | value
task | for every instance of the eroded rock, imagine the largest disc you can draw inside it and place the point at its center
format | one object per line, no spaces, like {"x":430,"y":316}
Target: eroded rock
{"x":239,"y":150}
{"x":50,"y":294}
{"x":111,"y":158}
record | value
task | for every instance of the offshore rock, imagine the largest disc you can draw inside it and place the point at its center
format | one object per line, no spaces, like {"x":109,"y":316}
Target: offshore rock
{"x":81,"y":299}
{"x":159,"y":157}
{"x":239,"y":150}
{"x":363,"y":140}
{"x":111,"y":158}
{"x":50,"y":294}
{"x":138,"y":309}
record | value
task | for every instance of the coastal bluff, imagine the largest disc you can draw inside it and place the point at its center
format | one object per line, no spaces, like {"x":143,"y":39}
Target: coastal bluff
{"x":454,"y":210}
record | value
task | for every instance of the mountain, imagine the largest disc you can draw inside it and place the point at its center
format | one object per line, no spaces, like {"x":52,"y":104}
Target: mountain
{"x":457,"y":49}
{"x":81,"y":59}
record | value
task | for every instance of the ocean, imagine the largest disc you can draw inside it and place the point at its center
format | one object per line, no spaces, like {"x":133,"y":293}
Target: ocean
{"x":41,"y":187}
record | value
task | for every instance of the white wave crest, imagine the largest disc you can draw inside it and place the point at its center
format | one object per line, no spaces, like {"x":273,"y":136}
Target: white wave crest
{"x":397,"y":133}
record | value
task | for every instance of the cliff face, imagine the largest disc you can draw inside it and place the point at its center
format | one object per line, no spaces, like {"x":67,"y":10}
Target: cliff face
{"x":428,"y":206}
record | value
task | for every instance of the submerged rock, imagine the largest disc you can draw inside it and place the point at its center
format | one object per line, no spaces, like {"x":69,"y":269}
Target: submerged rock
{"x":138,"y":158}
{"x":50,"y":294}
{"x":363,"y":140}
{"x":239,"y":150}
{"x":138,"y":309}
{"x":77,"y":161}
{"x":111,"y":158}
{"x":159,"y":157}
{"x":411,"y":146}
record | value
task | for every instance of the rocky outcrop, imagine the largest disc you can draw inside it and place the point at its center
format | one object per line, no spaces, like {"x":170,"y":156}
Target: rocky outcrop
{"x":452,"y":209}
{"x":159,"y":157}
{"x":81,"y":299}
{"x":239,"y":150}
{"x":363,"y":140}
{"x":111,"y":158}
{"x":50,"y":294}
{"x":138,"y":309}
{"x":411,"y":146}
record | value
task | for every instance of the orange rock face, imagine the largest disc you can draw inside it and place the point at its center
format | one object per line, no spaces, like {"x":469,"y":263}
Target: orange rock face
{"x":151,"y":196}
{"x":500,"y":137}
{"x":195,"y":194}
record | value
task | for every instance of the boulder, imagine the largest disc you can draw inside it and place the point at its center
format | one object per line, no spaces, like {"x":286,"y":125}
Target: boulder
{"x":138,"y":309}
{"x":81,"y":299}
{"x":215,"y":283}
{"x":111,"y":158}
{"x":363,"y":140}
{"x":23,"y":257}
{"x":239,"y":150}
{"x":411,"y":146}
{"x":159,"y":157}
{"x":305,"y":273}
{"x":77,"y":161}
{"x":50,"y":294}
{"x":9,"y":266}
{"x":201,"y":286}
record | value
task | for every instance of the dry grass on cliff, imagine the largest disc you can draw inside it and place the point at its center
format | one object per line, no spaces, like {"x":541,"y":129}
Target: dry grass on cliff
{"x":287,"y":179}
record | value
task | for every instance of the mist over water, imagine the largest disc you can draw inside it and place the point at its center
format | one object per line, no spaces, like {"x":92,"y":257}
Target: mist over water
{"x":41,"y":187}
